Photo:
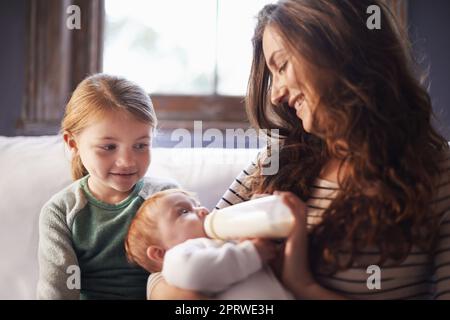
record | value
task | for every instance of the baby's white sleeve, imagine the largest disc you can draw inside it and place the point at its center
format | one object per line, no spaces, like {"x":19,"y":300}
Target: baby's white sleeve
{"x":208,"y":265}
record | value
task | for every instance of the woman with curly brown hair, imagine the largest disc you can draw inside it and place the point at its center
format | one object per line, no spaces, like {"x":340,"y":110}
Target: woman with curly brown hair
{"x":360,"y":164}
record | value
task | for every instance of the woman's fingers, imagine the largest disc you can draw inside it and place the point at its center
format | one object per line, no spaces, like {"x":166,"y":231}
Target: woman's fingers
{"x":297,"y":206}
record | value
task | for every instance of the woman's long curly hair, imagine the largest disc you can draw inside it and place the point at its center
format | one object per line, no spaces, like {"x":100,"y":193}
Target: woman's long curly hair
{"x":375,"y":105}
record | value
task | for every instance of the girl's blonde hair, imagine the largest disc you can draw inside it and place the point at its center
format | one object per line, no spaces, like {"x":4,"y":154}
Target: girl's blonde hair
{"x":100,"y":93}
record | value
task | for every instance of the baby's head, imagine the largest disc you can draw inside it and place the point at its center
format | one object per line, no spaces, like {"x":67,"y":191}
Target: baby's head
{"x":164,"y":220}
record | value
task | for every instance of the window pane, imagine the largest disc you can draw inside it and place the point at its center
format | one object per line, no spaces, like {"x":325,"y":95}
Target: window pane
{"x":172,"y":46}
{"x":236,"y":23}
{"x":166,"y":46}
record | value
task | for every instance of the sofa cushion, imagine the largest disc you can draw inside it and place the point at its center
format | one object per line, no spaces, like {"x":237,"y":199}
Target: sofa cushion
{"x":35,"y":168}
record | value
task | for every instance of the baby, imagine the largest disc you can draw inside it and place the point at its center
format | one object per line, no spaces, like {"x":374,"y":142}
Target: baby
{"x":167,"y":236}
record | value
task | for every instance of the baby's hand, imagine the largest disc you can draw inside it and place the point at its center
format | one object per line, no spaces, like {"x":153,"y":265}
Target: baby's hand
{"x":267,"y":249}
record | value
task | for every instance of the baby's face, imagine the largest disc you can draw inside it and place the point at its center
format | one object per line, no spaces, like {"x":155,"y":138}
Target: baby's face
{"x":179,"y":218}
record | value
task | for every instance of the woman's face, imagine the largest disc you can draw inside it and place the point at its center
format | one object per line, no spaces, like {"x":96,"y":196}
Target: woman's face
{"x":292,"y":80}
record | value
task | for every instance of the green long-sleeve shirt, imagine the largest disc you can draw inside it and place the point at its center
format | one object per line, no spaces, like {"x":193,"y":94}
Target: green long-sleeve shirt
{"x":78,"y":230}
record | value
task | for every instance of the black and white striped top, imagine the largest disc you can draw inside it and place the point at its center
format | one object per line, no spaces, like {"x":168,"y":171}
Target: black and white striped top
{"x":421,"y":276}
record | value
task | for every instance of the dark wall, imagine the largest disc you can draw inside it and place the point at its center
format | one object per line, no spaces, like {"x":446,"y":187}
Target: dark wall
{"x":429,"y":23}
{"x":12,"y":63}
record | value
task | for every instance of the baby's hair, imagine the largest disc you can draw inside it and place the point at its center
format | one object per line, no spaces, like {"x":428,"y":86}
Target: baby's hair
{"x":143,"y":231}
{"x":98,"y":94}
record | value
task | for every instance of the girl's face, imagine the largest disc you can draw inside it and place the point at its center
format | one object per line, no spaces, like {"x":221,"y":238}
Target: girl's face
{"x":115,"y":150}
{"x":291,"y":78}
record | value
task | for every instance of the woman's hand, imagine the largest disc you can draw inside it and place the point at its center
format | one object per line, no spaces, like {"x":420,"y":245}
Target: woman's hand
{"x":164,"y":291}
{"x":296,"y":274}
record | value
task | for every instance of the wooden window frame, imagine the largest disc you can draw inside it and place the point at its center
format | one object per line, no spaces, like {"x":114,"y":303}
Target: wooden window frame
{"x":217,"y":111}
{"x":57,"y":60}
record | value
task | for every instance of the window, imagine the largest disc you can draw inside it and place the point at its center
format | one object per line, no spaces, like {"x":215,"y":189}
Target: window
{"x":192,"y":56}
{"x":174,"y":47}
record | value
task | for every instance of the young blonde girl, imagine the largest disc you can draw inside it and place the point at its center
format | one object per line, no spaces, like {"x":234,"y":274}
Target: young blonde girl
{"x":108,"y":126}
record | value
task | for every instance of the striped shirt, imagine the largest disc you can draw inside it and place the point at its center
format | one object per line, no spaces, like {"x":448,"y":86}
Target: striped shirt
{"x":421,"y":275}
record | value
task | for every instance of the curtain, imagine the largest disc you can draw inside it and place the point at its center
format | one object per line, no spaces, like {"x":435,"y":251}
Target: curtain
{"x":58,"y":58}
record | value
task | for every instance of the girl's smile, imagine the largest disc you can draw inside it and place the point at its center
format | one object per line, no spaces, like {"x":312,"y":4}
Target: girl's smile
{"x":124,"y":178}
{"x":115,"y":150}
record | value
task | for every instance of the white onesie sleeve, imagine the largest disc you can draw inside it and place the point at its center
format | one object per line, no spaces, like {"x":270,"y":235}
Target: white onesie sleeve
{"x":208,"y":265}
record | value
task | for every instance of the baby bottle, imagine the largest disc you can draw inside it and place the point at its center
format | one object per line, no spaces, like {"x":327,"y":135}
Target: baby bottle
{"x":266,"y":217}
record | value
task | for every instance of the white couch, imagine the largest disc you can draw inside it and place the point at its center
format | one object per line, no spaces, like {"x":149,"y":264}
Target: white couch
{"x":34,"y":168}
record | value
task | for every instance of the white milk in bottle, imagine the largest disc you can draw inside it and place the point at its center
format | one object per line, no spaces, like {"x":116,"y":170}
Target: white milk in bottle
{"x":266,"y":217}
